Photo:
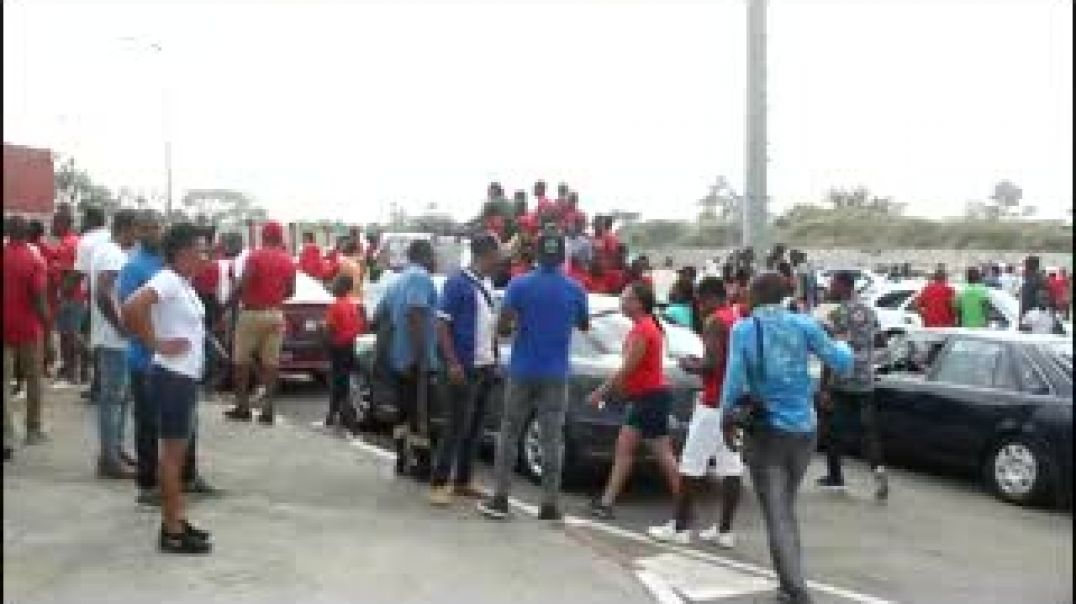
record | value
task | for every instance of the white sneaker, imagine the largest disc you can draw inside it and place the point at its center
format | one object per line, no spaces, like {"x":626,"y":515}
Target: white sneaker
{"x":667,"y":533}
{"x":722,"y":540}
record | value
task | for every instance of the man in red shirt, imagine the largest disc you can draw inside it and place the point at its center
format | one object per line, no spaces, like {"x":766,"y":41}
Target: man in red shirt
{"x":544,"y":208}
{"x":71,"y":296}
{"x":606,"y":243}
{"x":705,"y":439}
{"x":345,"y":320}
{"x":310,"y":257}
{"x":570,"y":214}
{"x":47,"y":252}
{"x":268,"y":280}
{"x":25,"y":313}
{"x":1059,"y":291}
{"x":937,"y":302}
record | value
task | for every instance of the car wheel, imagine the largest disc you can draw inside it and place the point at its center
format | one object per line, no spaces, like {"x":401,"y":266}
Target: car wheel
{"x":1018,"y":471}
{"x":532,"y":461}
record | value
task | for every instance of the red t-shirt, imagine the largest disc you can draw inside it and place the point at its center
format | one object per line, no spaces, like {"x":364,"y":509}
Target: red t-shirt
{"x":936,"y":305}
{"x":580,"y":275}
{"x":24,"y":279}
{"x":207,"y":279}
{"x":64,"y":256}
{"x":713,"y":381}
{"x":608,"y":246}
{"x":345,"y":321}
{"x":609,"y":282}
{"x":648,"y":374}
{"x":1059,"y":290}
{"x":310,"y":261}
{"x":545,"y":207}
{"x":268,"y":273}
{"x":330,"y":265}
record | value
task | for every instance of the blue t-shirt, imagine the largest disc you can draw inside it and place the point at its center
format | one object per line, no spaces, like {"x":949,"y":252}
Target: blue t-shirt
{"x":138,"y":270}
{"x":548,"y":305}
{"x":413,"y":288}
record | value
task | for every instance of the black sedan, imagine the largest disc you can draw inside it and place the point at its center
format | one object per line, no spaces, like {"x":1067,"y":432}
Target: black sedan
{"x":997,"y":404}
{"x":589,"y":432}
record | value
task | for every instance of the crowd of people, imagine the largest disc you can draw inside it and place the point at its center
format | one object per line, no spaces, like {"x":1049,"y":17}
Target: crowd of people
{"x":146,"y":308}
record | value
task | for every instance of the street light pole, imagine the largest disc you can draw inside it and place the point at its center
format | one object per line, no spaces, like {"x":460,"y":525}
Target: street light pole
{"x":753,"y":211}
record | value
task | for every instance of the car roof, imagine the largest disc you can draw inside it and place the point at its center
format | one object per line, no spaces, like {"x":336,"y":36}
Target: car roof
{"x":309,"y":291}
{"x":992,"y":334}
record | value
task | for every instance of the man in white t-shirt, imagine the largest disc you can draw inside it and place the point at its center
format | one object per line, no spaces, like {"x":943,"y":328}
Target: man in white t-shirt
{"x":108,"y":340}
{"x":94,"y":232}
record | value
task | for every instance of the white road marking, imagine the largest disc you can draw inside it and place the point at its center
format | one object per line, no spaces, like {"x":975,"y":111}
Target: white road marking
{"x":759,"y":571}
{"x":658,"y":587}
{"x":699,"y":581}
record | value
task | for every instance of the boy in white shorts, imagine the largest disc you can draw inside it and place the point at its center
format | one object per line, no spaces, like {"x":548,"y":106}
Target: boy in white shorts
{"x":705,"y":439}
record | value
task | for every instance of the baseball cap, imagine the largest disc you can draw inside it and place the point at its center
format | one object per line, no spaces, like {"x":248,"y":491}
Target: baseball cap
{"x":549,"y":248}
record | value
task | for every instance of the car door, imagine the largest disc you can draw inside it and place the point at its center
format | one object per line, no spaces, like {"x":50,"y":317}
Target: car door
{"x":969,"y":392}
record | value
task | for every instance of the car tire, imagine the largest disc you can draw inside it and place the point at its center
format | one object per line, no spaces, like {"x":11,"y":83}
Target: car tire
{"x":529,"y":460}
{"x":1018,"y":470}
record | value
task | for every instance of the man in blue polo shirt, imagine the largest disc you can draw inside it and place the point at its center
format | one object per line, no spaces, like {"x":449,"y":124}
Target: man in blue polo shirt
{"x":544,"y":306}
{"x":143,"y":264}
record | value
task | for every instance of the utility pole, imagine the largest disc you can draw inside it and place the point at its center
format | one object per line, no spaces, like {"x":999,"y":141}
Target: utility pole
{"x":754,"y":209}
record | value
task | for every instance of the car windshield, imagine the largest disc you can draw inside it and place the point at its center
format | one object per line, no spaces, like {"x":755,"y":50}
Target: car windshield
{"x":610,"y":329}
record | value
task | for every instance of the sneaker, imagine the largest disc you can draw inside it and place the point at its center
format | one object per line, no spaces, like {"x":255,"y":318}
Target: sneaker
{"x":599,"y":510}
{"x":199,"y":486}
{"x":667,"y":533}
{"x":550,"y":512}
{"x":440,"y":495}
{"x":829,"y":483}
{"x":238,"y":414}
{"x":36,"y":437}
{"x":495,"y":507}
{"x":881,"y":485}
{"x":467,"y":491}
{"x":149,"y":497}
{"x":715,"y":536}
{"x":199,"y":533}
{"x":183,"y":543}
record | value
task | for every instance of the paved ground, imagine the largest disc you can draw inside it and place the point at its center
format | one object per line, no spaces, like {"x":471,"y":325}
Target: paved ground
{"x":307,"y":519}
{"x":939,"y":539}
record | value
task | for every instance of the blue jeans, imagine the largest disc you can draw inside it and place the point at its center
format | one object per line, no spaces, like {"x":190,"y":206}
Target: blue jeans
{"x":112,"y":401}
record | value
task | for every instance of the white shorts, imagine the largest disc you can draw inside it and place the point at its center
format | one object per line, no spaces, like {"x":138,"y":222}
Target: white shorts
{"x":705,"y":441}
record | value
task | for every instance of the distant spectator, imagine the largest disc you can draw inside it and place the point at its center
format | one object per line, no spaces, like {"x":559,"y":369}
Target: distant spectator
{"x":1060,"y":292}
{"x":310,"y":257}
{"x":578,"y":245}
{"x":993,"y":278}
{"x":973,"y":303}
{"x":352,"y":264}
{"x":1010,"y":281}
{"x":1034,"y":281}
{"x":937,"y":302}
{"x":345,"y":320}
{"x":1042,"y":318}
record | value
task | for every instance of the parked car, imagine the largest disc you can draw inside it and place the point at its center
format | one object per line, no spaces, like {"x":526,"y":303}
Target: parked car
{"x":895,"y":306}
{"x":997,"y":404}
{"x":590,"y":433}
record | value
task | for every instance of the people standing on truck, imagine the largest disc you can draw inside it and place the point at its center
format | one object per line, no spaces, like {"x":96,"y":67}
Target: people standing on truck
{"x":108,"y":337}
{"x":842,"y":400}
{"x":543,"y":307}
{"x":310,"y":257}
{"x":167,"y":316}
{"x":705,"y":438}
{"x":640,"y":383}
{"x":768,"y":357}
{"x":267,"y":279}
{"x":25,"y":312}
{"x":973,"y":303}
{"x":411,"y":302}
{"x":937,"y":302}
{"x":345,"y":321}
{"x":468,"y":342}
{"x":544,"y":208}
{"x":571,"y":214}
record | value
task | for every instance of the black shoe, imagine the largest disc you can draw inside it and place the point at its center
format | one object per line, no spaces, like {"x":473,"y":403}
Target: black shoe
{"x":238,"y":414}
{"x":830,"y":483}
{"x":183,"y":543}
{"x":8,"y":452}
{"x":550,"y":512}
{"x":199,"y":486}
{"x":331,"y":420}
{"x":495,"y":507}
{"x":599,"y":510}
{"x":266,"y":418}
{"x":401,"y":457}
{"x":190,"y":529}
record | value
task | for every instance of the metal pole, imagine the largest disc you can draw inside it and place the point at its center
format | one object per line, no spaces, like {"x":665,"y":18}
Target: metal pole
{"x":755,"y":200}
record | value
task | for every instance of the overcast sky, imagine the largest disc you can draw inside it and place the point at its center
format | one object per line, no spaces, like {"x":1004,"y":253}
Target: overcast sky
{"x":336,"y":109}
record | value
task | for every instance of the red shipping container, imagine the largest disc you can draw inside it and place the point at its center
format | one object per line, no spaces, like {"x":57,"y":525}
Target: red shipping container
{"x":29,"y":187}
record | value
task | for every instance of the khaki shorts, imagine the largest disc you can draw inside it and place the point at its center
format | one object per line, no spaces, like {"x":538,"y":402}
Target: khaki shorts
{"x":258,"y":333}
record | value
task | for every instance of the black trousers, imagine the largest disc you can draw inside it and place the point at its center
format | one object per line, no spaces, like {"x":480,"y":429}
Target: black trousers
{"x":341,"y":363}
{"x":147,"y":422}
{"x":850,"y":408}
{"x":466,"y":405}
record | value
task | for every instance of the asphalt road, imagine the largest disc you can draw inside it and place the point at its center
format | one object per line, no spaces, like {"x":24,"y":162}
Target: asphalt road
{"x":938,"y":539}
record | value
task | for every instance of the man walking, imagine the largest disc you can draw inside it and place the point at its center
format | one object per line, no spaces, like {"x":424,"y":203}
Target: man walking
{"x":973,"y":303}
{"x":411,"y":305}
{"x":705,"y":439}
{"x":108,"y":338}
{"x":145,"y":262}
{"x":468,"y":340}
{"x":268,"y":279}
{"x":544,"y":305}
{"x":24,"y":318}
{"x":843,"y":398}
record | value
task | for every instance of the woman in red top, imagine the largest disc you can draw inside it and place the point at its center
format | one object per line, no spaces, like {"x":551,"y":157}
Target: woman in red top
{"x":641,"y":380}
